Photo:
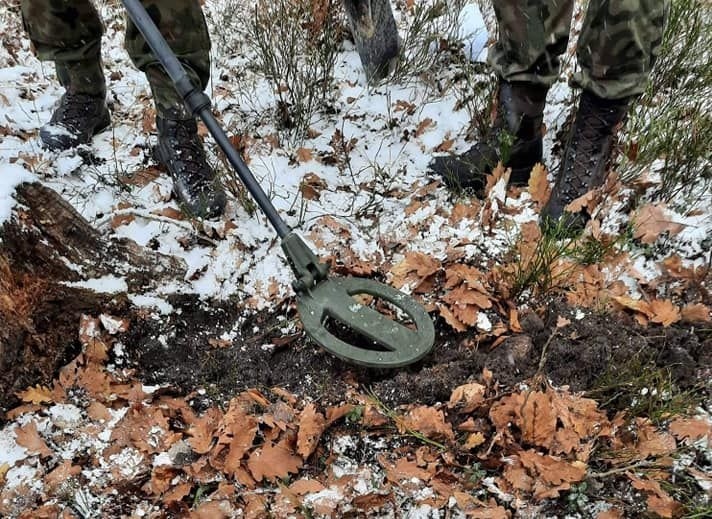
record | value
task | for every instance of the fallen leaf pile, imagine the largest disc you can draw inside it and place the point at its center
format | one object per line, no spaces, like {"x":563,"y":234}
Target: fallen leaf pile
{"x":463,"y":294}
{"x":532,"y":444}
{"x":465,"y":297}
{"x":417,"y":272}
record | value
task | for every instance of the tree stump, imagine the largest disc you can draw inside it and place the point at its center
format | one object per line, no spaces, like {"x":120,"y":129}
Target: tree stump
{"x":43,"y":246}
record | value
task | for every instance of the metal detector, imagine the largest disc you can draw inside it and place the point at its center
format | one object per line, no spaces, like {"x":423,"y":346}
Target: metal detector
{"x":322,"y":302}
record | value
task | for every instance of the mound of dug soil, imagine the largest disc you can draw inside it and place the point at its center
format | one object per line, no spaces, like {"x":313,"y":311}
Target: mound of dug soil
{"x":178,"y":351}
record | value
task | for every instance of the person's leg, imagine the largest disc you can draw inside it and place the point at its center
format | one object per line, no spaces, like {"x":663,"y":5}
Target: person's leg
{"x":532,"y":35}
{"x":375,"y":34}
{"x":69,"y":34}
{"x":180,"y":149}
{"x":619,"y":43}
{"x":182,"y":24}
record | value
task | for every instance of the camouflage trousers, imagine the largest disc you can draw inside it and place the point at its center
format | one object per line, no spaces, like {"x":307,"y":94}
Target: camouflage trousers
{"x":69,"y":33}
{"x":616,"y":49}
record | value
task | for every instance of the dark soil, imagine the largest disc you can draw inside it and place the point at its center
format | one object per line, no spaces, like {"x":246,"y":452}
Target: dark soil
{"x":45,"y":244}
{"x":31,"y":351}
{"x":176,"y":351}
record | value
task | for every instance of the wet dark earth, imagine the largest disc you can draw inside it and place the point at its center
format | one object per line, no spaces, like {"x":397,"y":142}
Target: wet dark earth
{"x":184,"y":351}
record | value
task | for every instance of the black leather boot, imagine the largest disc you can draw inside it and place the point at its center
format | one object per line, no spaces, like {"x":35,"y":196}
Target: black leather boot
{"x":583,"y":166}
{"x":82,"y":110}
{"x":515,"y":139}
{"x":75,"y":121}
{"x":181,"y":150}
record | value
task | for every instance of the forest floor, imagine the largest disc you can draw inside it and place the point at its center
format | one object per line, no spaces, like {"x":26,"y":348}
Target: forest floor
{"x":571,"y":376}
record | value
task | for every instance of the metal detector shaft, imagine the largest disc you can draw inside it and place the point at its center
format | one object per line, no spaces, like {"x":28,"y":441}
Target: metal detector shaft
{"x":199,"y":104}
{"x":319,"y":299}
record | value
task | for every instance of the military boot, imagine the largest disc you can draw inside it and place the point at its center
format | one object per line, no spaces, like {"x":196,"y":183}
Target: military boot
{"x":181,"y":150}
{"x":82,"y":110}
{"x":586,"y":156}
{"x":515,"y":139}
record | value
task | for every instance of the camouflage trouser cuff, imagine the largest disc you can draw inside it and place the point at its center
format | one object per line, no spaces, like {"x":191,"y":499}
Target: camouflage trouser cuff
{"x":169,"y":103}
{"x":629,"y":85}
{"x":533,"y":79}
{"x":515,"y":73}
{"x":82,"y":77}
{"x":87,"y":51}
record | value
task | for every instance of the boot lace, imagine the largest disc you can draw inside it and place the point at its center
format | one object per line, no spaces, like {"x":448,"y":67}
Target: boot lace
{"x":74,"y":110}
{"x":593,"y":126}
{"x":188,"y":148}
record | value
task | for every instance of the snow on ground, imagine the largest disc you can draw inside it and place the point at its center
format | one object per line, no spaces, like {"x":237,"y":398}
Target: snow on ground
{"x":368,"y":197}
{"x":12,"y":176}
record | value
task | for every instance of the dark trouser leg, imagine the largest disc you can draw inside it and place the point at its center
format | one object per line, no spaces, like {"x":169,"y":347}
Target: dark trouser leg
{"x":375,"y":33}
{"x":182,"y":24}
{"x":532,"y":35}
{"x":68,"y":33}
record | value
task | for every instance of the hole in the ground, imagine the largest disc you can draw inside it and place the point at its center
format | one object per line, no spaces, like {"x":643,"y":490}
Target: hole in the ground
{"x":386,"y":308}
{"x":351,"y":335}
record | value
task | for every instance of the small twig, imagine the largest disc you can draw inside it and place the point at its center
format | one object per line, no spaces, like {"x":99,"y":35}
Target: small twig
{"x":495,"y":438}
{"x":544,"y":350}
{"x":138,"y":213}
{"x":538,"y":377}
{"x":620,"y":470}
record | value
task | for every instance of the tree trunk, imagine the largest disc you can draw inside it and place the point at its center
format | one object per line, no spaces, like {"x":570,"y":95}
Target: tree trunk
{"x":45,"y":244}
